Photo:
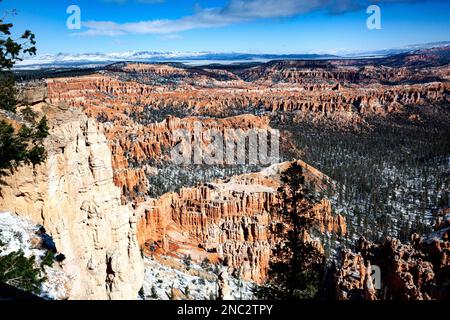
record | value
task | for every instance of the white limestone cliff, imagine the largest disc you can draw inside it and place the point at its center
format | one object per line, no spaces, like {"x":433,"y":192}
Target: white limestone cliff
{"x":73,"y":196}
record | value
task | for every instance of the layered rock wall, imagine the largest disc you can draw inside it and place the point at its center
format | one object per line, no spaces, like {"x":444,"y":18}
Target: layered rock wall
{"x":418,"y":270}
{"x":236,"y":219}
{"x":73,"y":196}
{"x":315,"y":100}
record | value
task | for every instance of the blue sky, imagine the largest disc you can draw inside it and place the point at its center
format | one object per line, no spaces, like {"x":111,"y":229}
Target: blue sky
{"x":255,"y":26}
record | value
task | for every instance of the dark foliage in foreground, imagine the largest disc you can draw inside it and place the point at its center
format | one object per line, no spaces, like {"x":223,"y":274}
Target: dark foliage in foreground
{"x":296,"y":272}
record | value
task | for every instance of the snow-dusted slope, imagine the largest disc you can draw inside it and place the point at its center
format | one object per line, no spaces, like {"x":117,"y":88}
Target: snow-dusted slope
{"x":20,"y":234}
{"x":168,"y":273}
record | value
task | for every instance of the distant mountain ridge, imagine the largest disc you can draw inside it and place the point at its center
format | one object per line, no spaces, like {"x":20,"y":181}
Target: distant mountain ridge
{"x":98,"y":59}
{"x":197,"y":58}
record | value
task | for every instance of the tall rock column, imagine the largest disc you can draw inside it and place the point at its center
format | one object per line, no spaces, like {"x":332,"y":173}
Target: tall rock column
{"x":73,"y":196}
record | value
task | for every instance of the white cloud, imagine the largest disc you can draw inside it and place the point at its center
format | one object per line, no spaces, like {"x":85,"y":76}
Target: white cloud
{"x":235,"y":11}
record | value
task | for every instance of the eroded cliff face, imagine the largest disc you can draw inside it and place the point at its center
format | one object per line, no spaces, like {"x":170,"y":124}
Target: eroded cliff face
{"x":387,"y":71}
{"x":418,"y":270}
{"x":73,"y":196}
{"x":134,"y":100}
{"x":140,"y":143}
{"x":232,"y":221}
{"x":338,"y":100}
{"x":139,"y":149}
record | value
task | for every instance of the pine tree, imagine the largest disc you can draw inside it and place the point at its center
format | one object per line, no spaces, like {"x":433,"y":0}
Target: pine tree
{"x":297,"y":270}
{"x":20,"y":271}
{"x":25,"y":145}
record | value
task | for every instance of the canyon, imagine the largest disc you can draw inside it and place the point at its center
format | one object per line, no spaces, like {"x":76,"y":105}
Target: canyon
{"x":112,"y":199}
{"x":233,"y":221}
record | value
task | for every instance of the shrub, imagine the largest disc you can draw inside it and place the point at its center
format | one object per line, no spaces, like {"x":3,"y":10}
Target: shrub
{"x":60,"y":257}
{"x":206,"y":263}
{"x":48,"y":259}
{"x":20,"y":271}
{"x":28,"y":114}
{"x":154,"y":293}
{"x":187,"y":292}
{"x":7,"y":91}
{"x":187,"y":260}
{"x":141,"y":293}
{"x":24,"y":146}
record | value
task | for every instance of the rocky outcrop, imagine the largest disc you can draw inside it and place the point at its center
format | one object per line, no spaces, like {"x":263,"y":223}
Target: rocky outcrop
{"x":352,"y":102}
{"x":135,"y":99}
{"x":32,"y":93}
{"x":140,"y":134}
{"x":137,"y":149}
{"x":73,"y":196}
{"x":223,"y":288}
{"x":138,"y":144}
{"x":387,"y":71}
{"x":419,"y":270}
{"x":310,"y":99}
{"x":235,"y":220}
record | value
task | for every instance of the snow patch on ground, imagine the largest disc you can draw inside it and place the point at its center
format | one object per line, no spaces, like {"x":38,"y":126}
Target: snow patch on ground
{"x":20,"y":234}
{"x":272,"y":170}
{"x":16,"y":234}
{"x":202,"y":282}
{"x":242,"y":188}
{"x":436,"y":235}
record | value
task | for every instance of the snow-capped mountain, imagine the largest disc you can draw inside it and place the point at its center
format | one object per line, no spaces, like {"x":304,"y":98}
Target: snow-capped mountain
{"x":393,"y":51}
{"x":67,"y":58}
{"x":99,"y":59}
